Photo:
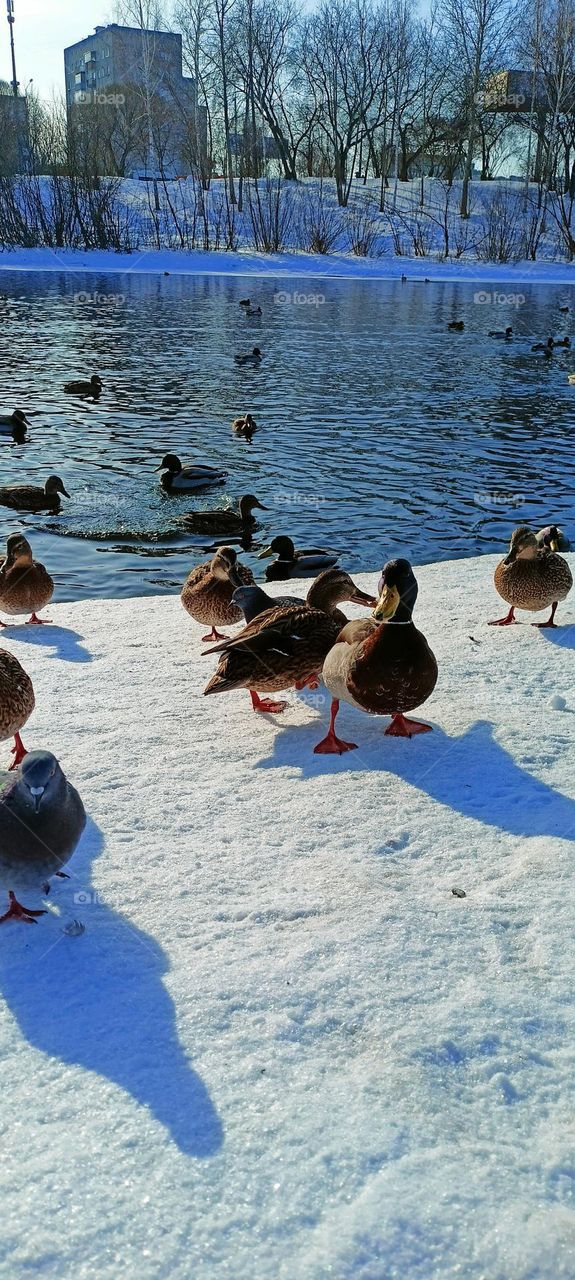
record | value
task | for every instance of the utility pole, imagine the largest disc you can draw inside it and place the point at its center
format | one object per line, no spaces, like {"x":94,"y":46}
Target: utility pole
{"x":10,"y":11}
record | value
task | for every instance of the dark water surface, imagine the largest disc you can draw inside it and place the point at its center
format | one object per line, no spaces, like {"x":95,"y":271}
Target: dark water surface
{"x":380,"y":433}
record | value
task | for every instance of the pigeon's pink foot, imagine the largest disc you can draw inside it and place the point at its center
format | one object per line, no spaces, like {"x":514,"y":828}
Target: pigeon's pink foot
{"x":18,"y":751}
{"x":40,"y":622}
{"x":17,"y":912}
{"x":504,"y":622}
{"x":401,"y":727}
{"x":331,"y":744}
{"x":265,"y":704}
{"x":214,"y":635}
{"x":550,"y":622}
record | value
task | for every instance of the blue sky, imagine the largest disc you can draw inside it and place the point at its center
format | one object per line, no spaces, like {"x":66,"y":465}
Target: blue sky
{"x":42,"y":30}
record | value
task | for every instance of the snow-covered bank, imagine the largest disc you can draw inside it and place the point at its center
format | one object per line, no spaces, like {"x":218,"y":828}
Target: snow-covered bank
{"x":283,"y":1047}
{"x":285,"y":264}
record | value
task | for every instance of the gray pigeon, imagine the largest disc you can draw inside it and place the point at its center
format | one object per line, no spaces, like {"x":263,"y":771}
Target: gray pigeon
{"x":41,"y":820}
{"x":252,"y":601}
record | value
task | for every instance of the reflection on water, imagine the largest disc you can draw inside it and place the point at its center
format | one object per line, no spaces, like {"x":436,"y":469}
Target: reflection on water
{"x":380,"y":433}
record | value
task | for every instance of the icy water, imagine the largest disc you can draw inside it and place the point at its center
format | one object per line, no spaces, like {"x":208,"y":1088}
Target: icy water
{"x":380,"y":433}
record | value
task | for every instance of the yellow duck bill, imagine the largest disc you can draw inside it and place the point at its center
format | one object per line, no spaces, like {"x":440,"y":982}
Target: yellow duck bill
{"x":387,"y":605}
{"x":268,"y":551}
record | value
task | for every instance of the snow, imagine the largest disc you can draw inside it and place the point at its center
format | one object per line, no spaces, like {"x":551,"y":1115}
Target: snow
{"x":317,"y":266}
{"x":283,"y":1047}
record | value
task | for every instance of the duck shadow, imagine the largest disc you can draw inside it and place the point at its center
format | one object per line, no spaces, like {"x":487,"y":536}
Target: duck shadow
{"x":472,"y":775}
{"x":98,"y":1001}
{"x":64,"y":641}
{"x":561,"y":636}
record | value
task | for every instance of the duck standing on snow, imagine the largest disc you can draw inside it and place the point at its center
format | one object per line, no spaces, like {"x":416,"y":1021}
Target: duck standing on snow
{"x":252,"y":357}
{"x":382,"y":665}
{"x":83,"y":387}
{"x":553,"y":538}
{"x":295,"y":564}
{"x":184,"y":479}
{"x":285,"y":646}
{"x":16,"y":702}
{"x":530,"y":578}
{"x":41,"y":820}
{"x":224,"y":520}
{"x":14,"y":424}
{"x":245,"y":427}
{"x":25,"y":585}
{"x":30,"y":497}
{"x":207,"y":592}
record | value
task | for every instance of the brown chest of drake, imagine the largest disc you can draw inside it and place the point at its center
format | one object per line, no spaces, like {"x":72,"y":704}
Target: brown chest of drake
{"x":394,"y":670}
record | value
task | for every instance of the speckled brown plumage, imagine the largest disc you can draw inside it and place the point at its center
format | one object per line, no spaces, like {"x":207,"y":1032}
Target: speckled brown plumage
{"x":277,"y":649}
{"x":25,"y":585}
{"x":207,"y":592}
{"x":16,"y":695}
{"x":531,"y":578}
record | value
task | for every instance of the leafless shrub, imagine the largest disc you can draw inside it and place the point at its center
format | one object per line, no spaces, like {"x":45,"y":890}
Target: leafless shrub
{"x":363,"y":228}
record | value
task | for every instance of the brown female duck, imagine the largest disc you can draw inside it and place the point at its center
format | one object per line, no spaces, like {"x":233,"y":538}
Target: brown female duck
{"x":207,"y":592}
{"x":25,"y":585}
{"x":16,"y":702}
{"x":385,"y":669}
{"x":245,"y":427}
{"x":224,"y":519}
{"x":286,"y":645}
{"x":30,"y":497}
{"x":531,"y":578}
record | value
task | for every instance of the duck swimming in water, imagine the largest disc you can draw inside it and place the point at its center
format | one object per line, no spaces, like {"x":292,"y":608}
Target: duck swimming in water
{"x":530,"y":578}
{"x":252,"y":357}
{"x":225,"y":520}
{"x":545,"y":347}
{"x":14,"y":424}
{"x":457,"y":326}
{"x":245,"y":427}
{"x":295,"y":564}
{"x":184,"y":479}
{"x":30,"y":497}
{"x":501,"y":333}
{"x":85,"y":388}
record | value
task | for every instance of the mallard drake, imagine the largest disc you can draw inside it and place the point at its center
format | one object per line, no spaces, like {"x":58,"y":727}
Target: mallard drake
{"x":545,"y":347}
{"x":530,"y":578}
{"x":246,"y":426}
{"x":25,"y":585}
{"x":553,"y":538}
{"x":457,"y":326}
{"x":16,"y":702}
{"x":253,"y":311}
{"x":225,"y":520}
{"x":30,"y":497}
{"x":252,"y":357}
{"x":383,"y":664}
{"x":285,"y":645}
{"x":501,"y":333}
{"x":207,"y":592}
{"x":83,"y":387}
{"x":184,"y":479}
{"x":15,"y":423}
{"x":41,"y":820}
{"x":295,"y":564}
